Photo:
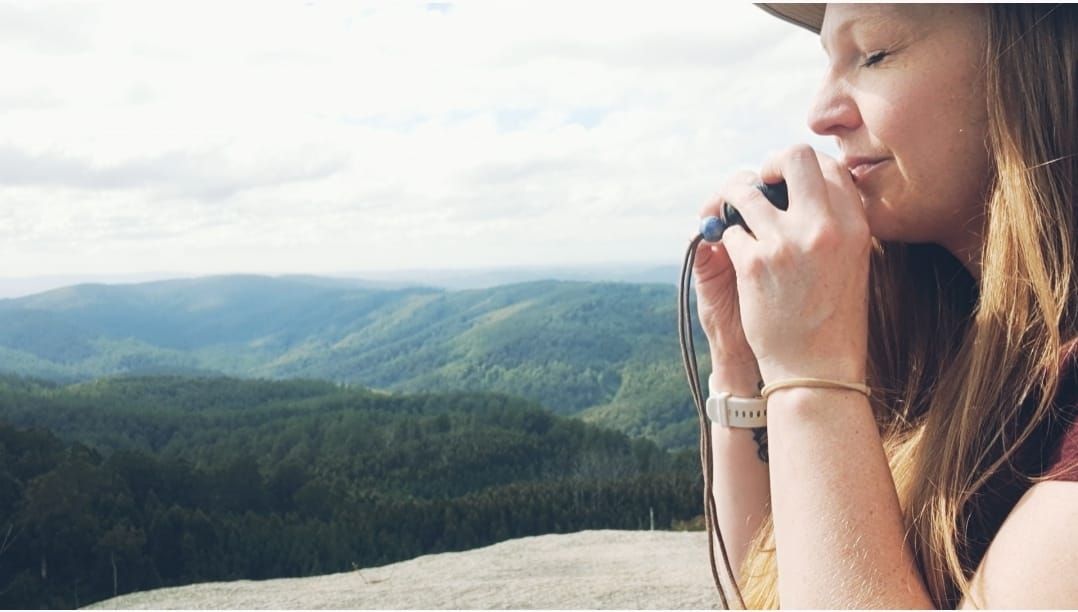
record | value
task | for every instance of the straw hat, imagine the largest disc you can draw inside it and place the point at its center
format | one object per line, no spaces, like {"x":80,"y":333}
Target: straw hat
{"x":808,"y":16}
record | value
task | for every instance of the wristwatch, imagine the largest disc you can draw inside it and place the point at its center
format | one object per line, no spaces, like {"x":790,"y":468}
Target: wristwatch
{"x":732,"y":411}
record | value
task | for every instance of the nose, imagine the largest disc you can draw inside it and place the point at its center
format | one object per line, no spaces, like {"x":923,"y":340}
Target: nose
{"x":833,"y":110}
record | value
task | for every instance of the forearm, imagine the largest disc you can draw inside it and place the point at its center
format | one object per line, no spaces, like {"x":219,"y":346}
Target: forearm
{"x":839,"y":532}
{"x":742,"y":491}
{"x":741,"y":481}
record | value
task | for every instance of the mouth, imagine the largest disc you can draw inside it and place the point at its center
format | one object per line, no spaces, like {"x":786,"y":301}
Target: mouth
{"x":861,"y":170}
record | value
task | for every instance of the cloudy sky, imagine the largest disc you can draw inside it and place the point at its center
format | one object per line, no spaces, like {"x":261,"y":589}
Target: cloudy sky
{"x":319,"y":137}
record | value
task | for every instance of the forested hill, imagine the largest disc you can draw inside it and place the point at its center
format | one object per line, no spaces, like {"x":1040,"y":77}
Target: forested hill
{"x":141,"y":482}
{"x":606,"y":351}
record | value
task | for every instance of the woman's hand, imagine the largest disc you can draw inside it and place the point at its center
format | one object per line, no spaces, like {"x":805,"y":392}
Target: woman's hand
{"x":801,"y":274}
{"x":717,"y":301}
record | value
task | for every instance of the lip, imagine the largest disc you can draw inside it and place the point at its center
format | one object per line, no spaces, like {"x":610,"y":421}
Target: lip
{"x":861,"y":167}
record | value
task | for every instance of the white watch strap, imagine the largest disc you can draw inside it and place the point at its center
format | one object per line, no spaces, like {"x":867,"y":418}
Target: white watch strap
{"x":731,"y":411}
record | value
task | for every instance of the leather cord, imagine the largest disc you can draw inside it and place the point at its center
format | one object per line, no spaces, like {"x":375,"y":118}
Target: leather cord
{"x":688,"y":357}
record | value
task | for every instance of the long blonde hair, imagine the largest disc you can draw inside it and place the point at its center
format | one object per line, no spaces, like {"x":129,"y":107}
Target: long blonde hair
{"x":964,"y":373}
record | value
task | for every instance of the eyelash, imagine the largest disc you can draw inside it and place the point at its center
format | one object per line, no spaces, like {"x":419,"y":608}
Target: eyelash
{"x":875,"y":58}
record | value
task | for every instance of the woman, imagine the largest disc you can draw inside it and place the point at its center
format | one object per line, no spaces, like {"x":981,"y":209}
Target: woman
{"x":935,"y":262}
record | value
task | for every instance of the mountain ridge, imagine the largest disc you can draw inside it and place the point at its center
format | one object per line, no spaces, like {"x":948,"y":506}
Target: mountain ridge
{"x":453,"y":279}
{"x":606,"y":351}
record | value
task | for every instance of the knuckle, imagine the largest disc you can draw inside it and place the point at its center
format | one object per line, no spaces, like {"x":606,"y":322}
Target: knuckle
{"x":833,"y":238}
{"x":755,"y":266}
{"x":784,"y":254}
{"x":712,"y":207}
{"x":823,"y":239}
{"x":730,"y":191}
{"x":801,"y":151}
{"x":707,"y":209}
{"x":739,"y":179}
{"x":830,"y":165}
{"x":775,"y":254}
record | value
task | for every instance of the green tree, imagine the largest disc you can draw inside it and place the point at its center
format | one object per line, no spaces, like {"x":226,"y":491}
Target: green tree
{"x":124,"y":542}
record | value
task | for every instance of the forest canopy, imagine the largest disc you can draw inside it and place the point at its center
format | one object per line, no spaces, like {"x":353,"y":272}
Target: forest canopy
{"x":132,"y":483}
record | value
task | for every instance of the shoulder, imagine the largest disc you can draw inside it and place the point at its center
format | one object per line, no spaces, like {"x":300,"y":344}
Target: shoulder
{"x":1034,"y":541}
{"x":1032,"y":549}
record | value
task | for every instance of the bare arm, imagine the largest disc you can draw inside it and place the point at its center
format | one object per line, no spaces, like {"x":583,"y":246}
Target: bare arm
{"x":1036,"y":546}
{"x":741,"y":480}
{"x":839,"y":533}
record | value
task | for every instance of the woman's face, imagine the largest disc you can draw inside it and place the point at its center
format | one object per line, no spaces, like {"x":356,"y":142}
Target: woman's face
{"x":905,"y":85}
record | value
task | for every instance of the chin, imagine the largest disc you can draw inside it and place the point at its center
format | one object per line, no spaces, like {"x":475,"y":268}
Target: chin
{"x":885,"y":227}
{"x":879,"y":223}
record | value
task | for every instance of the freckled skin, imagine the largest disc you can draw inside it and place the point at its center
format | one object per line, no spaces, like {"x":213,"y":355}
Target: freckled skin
{"x":922,"y":105}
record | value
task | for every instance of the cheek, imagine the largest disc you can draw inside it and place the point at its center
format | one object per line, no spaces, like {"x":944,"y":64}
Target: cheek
{"x":947,"y":129}
{"x":946,"y":155}
{"x":937,"y":140}
{"x":921,"y":129}
{"x":899,"y":207}
{"x":969,"y":148}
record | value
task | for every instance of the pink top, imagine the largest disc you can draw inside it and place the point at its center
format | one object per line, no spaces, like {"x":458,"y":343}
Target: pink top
{"x":1064,"y":457}
{"x":1054,"y":446}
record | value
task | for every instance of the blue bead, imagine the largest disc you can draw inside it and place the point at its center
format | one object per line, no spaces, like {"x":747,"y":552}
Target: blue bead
{"x":711,"y":228}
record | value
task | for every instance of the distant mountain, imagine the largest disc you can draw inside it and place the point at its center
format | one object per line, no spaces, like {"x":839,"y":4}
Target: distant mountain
{"x":479,"y":278}
{"x":604,"y":351}
{"x":483,"y":279}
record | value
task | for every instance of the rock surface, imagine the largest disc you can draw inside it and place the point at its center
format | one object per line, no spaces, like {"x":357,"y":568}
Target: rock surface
{"x":589,"y":569}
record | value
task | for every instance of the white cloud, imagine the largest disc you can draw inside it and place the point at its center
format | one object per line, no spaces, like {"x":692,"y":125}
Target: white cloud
{"x":317,"y":137}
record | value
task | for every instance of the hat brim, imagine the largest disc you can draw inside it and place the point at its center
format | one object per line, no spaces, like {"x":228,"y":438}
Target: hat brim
{"x":808,"y":16}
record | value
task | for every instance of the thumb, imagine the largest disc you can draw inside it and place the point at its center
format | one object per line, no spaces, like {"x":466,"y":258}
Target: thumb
{"x":712,"y":261}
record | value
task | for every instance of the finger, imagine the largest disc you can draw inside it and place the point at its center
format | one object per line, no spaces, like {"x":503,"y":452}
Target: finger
{"x":800,"y":168}
{"x":840,"y":184}
{"x":714,"y":207}
{"x":760,"y":215}
{"x":741,"y":192}
{"x":711,"y":261}
{"x":832,"y":168}
{"x":739,"y":245}
{"x":704,"y":252}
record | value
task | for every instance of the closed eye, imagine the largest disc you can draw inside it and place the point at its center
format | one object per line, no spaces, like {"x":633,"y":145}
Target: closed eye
{"x":875,"y":58}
